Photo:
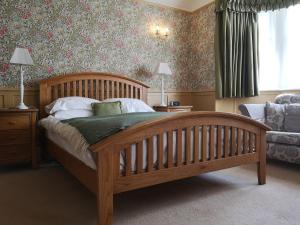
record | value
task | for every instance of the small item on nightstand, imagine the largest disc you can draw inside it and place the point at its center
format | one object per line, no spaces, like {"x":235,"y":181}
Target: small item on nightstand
{"x":183,"y":108}
{"x":174,"y":103}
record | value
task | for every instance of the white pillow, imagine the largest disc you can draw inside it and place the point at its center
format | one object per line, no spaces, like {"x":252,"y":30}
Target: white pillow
{"x":70,"y":103}
{"x":131,"y":105}
{"x":75,"y":113}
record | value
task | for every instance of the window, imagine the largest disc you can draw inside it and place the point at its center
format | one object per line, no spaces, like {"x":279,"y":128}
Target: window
{"x":279,"y":49}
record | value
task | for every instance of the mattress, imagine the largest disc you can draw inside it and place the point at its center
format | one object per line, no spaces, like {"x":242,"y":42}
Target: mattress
{"x":69,"y":139}
{"x":65,"y":144}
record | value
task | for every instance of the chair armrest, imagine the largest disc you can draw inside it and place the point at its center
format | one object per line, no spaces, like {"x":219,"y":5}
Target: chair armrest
{"x":254,"y":111}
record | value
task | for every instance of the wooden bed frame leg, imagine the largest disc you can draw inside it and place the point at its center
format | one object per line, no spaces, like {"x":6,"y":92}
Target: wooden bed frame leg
{"x":261,"y":165}
{"x":105,"y":187}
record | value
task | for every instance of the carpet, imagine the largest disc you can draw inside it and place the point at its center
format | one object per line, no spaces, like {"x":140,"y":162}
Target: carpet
{"x":50,"y":196}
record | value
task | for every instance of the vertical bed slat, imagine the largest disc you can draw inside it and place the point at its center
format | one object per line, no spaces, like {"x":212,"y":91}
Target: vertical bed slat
{"x":127,"y":90}
{"x":233,"y":141}
{"x":131,"y":91}
{"x":112,"y":89}
{"x":179,"y":147}
{"x":204,"y":143}
{"x":212,"y":143}
{"x":128,"y":160}
{"x":140,"y":157}
{"x":219,"y":143}
{"x":55,"y":92}
{"x":92,"y":92}
{"x":188,"y":145}
{"x":226,"y":142}
{"x":136,"y":92}
{"x":246,"y":142}
{"x":102,"y":90}
{"x":239,"y":142}
{"x":80,"y":88}
{"x":62,"y":90}
{"x":160,"y":151}
{"x":117,"y":89}
{"x":251,"y":143}
{"x":150,"y":154}
{"x":196,"y":144}
{"x":123,"y":90}
{"x":107,"y":88}
{"x":86,"y":89}
{"x":74,"y":84}
{"x":68,"y":89}
{"x":97,"y":89}
{"x":170,"y":149}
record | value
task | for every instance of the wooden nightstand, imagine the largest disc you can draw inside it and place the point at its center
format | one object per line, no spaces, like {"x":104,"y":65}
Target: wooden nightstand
{"x":183,"y":108}
{"x":18,"y":136}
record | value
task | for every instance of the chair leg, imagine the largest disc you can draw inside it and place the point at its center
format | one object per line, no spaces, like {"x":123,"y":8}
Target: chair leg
{"x":105,"y":188}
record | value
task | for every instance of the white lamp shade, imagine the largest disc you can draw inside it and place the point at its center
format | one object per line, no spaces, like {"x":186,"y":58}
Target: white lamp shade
{"x":163,"y":69}
{"x":21,"y":56}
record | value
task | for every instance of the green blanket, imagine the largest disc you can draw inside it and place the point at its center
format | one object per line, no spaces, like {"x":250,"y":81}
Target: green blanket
{"x":96,"y":128}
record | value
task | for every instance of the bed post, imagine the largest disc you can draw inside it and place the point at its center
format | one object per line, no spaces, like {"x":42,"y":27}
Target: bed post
{"x":105,"y":186}
{"x":261,"y":165}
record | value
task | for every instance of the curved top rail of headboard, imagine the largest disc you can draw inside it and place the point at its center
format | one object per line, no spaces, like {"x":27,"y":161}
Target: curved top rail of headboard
{"x":92,"y":85}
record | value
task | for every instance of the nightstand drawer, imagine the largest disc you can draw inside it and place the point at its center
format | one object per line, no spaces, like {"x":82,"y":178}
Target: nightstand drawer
{"x":14,"y":153}
{"x":14,"y":122}
{"x":12,"y":137}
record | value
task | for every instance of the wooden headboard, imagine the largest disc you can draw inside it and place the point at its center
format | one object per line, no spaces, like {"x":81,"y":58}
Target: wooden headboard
{"x":92,"y":85}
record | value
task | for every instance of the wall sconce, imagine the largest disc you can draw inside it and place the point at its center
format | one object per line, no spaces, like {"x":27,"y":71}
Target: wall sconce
{"x":157,"y":30}
{"x":166,"y":33}
{"x":163,"y":32}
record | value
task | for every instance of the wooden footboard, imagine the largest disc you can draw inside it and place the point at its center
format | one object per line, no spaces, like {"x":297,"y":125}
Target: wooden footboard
{"x":212,"y":141}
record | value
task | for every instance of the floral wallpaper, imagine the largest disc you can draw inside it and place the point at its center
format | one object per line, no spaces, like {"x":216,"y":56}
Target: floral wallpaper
{"x":113,"y":36}
{"x":202,"y":57}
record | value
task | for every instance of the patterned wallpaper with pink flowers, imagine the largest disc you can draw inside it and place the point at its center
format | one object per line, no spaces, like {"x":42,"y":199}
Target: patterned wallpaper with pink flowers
{"x":202,"y":56}
{"x":107,"y":35}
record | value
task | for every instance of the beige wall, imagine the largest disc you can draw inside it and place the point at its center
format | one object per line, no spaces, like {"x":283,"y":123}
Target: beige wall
{"x":231,"y":105}
{"x":9,"y":97}
{"x":202,"y":101}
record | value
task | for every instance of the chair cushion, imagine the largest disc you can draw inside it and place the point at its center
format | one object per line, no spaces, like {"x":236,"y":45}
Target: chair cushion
{"x":287,"y":99}
{"x":292,"y":118}
{"x":254,"y":111}
{"x":288,"y":138}
{"x":275,"y":116}
{"x":288,"y":153}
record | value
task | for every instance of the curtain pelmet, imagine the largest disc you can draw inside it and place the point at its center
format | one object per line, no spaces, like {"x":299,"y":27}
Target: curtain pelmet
{"x":253,"y":5}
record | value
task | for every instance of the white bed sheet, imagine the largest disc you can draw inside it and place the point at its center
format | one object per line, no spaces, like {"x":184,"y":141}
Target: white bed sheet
{"x":63,"y":143}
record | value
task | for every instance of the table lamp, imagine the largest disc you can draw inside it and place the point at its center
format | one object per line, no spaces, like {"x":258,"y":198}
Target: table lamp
{"x":21,"y":57}
{"x":163,"y":69}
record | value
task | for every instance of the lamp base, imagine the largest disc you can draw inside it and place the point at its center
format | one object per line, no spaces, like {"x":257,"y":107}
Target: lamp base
{"x":22,"y":106}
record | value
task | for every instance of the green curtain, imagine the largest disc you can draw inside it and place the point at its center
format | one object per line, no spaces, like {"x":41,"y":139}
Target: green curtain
{"x":236,"y":43}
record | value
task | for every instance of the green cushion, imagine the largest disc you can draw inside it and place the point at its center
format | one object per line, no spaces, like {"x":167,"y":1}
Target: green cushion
{"x":107,"y":108}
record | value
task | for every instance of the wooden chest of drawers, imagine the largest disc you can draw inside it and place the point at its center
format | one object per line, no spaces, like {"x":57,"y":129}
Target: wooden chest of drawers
{"x":18,"y":136}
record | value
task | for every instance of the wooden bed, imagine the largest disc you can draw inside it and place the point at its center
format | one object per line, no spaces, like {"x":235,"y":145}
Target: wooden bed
{"x":226,"y":140}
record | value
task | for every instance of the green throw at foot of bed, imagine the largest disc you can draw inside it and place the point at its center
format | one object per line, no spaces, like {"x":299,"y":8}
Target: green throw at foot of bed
{"x":96,"y":128}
